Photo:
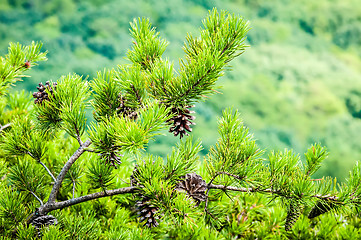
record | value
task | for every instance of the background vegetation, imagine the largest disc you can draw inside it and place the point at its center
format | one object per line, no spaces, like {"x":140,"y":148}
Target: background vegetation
{"x":300,"y":81}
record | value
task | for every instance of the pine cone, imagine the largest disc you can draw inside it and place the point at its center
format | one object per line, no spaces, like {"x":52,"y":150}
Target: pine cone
{"x":194,"y":186}
{"x":133,"y":179}
{"x":27,"y":64}
{"x":293,"y":213}
{"x":322,"y":207}
{"x":181,"y":121}
{"x":39,"y":221}
{"x":44,"y":220}
{"x":112,"y":158}
{"x":42,"y":95}
{"x":126,"y":111}
{"x":147,"y":212}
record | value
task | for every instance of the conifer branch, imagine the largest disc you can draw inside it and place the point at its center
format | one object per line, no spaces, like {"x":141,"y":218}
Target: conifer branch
{"x":42,"y":164}
{"x":231,"y":175}
{"x":47,"y":169}
{"x":209,"y":187}
{"x":3,"y":127}
{"x":266,"y":190}
{"x":54,"y":192}
{"x":50,"y":206}
{"x":73,"y":189}
{"x":41,"y":202}
{"x":136,"y":92}
{"x":200,"y":79}
{"x":77,"y":134}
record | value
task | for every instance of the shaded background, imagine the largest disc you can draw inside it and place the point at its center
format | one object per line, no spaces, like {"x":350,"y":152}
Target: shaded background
{"x":298,"y":83}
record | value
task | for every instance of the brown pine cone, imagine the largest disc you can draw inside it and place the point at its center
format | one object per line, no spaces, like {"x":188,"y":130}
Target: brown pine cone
{"x":112,"y":158}
{"x":42,"y":94}
{"x":194,"y":186}
{"x":126,"y":111}
{"x":147,"y":213}
{"x":181,"y":122}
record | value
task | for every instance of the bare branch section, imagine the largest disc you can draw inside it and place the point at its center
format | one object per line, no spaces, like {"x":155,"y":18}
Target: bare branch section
{"x":266,"y":190}
{"x":47,"y":169}
{"x":50,"y":206}
{"x":41,"y":202}
{"x":3,"y":127}
{"x":54,"y":192}
{"x":42,"y":164}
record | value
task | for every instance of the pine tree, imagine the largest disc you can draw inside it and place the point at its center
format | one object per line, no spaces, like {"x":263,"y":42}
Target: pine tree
{"x":61,"y":178}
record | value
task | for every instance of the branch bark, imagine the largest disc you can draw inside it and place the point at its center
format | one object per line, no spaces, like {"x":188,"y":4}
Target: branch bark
{"x":266,"y":190}
{"x":47,"y":169}
{"x":3,"y":127}
{"x":37,"y":198}
{"x":50,"y":206}
{"x":42,"y":164}
{"x":54,"y":192}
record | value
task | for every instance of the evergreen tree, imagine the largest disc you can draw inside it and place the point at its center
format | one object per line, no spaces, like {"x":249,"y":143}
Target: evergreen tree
{"x":62,"y":178}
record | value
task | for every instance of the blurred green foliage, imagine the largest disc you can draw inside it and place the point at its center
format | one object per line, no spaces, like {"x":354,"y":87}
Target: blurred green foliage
{"x":299,"y":83}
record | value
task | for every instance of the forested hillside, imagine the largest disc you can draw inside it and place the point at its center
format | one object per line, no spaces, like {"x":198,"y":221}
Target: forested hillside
{"x":298,"y":83}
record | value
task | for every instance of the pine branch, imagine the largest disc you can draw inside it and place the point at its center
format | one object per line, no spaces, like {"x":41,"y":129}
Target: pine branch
{"x":41,"y":202}
{"x":47,"y":169}
{"x":54,"y":192}
{"x":266,"y":190}
{"x":3,"y":127}
{"x":73,"y":189}
{"x":77,"y":134}
{"x":42,"y":164}
{"x":50,"y":206}
{"x":231,"y":175}
{"x":200,"y":79}
{"x":209,"y":187}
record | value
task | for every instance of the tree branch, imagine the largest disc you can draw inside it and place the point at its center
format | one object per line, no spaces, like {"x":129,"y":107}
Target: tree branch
{"x":231,"y":175}
{"x":47,"y":169}
{"x":265,"y":190}
{"x":3,"y":127}
{"x":54,"y":192}
{"x":73,"y":189}
{"x":50,"y":206}
{"x":77,"y":135}
{"x":37,"y":198}
{"x":42,"y":164}
{"x":209,"y":187}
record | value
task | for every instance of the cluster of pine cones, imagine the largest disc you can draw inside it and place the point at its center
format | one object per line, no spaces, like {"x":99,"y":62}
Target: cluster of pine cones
{"x":182,"y":121}
{"x":42,"y":94}
{"x":192,"y":183}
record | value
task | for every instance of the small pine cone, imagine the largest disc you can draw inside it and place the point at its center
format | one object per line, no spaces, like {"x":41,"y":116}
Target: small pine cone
{"x":133,"y":179}
{"x":27,"y":64}
{"x":42,"y":95}
{"x":147,"y":213}
{"x":39,"y":221}
{"x":126,"y":111}
{"x":181,"y":121}
{"x":44,"y":220}
{"x":321,"y":207}
{"x":294,"y":211}
{"x":194,"y":186}
{"x":112,"y":158}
